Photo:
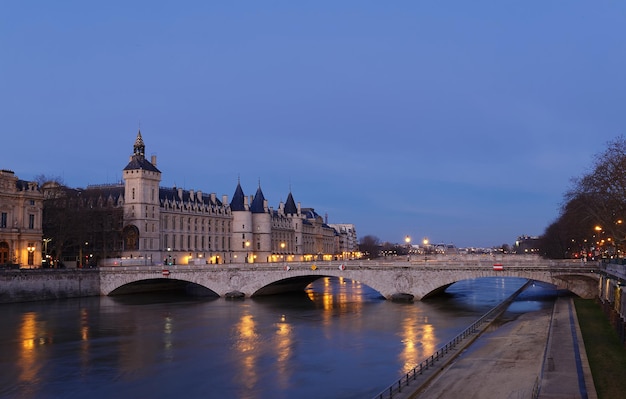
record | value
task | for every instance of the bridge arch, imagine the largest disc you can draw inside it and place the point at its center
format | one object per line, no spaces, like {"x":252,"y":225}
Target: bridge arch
{"x":390,"y":280}
{"x":162,"y":284}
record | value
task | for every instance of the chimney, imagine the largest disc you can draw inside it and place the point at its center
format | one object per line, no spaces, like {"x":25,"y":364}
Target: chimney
{"x":191,"y":198}
{"x":199,"y":194}
{"x":153,"y":160}
{"x":224,"y":199}
{"x":180,"y":193}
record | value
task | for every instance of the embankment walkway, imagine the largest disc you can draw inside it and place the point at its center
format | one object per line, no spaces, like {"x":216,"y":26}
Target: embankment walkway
{"x":538,"y":355}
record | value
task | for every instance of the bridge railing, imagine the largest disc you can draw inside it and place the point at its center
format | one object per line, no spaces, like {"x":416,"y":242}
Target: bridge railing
{"x":405,"y":380}
{"x":437,"y":264}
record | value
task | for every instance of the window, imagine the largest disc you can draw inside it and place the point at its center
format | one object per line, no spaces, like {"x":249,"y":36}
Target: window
{"x":133,"y":196}
{"x":3,"y":220}
{"x":31,"y":221}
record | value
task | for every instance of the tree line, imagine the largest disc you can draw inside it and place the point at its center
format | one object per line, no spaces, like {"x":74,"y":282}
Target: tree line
{"x":591,"y":223}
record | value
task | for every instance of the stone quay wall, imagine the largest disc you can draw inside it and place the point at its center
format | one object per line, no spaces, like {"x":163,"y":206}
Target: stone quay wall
{"x":42,"y":284}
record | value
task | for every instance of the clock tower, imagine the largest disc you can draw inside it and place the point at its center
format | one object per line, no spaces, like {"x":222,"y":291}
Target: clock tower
{"x":141,"y":232}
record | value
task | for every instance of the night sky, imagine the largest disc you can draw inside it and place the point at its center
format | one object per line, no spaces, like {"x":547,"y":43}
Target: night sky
{"x":460,"y":121}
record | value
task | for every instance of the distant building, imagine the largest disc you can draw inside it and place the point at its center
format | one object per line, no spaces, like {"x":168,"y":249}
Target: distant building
{"x":527,"y":245}
{"x":347,"y":240}
{"x":21,"y":213}
{"x":170,"y":225}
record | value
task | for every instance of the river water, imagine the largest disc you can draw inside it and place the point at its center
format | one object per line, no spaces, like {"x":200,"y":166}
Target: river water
{"x":339,"y":339}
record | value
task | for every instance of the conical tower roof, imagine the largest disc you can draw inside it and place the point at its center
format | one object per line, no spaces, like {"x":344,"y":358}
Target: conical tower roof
{"x":237,"y":203}
{"x":258,"y":203}
{"x":290,"y":206}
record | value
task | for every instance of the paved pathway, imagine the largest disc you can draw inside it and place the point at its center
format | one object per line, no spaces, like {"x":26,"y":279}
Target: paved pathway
{"x":507,"y":362}
{"x":566,"y":372}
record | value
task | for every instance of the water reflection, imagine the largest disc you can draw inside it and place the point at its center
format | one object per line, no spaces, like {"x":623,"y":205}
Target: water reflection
{"x":28,"y":363}
{"x":284,"y":343}
{"x":245,"y":342}
{"x":336,"y":340}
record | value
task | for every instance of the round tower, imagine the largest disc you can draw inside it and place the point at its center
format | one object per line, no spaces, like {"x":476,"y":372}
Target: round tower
{"x":242,"y":237}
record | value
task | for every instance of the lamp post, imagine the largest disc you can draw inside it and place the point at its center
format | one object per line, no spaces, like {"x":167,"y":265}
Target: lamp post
{"x":248,"y":252}
{"x":282,"y":251}
{"x":45,"y":250}
{"x":598,"y":230}
{"x":31,"y":254}
{"x":425,"y":242}
{"x":618,"y":237}
{"x":407,"y":239}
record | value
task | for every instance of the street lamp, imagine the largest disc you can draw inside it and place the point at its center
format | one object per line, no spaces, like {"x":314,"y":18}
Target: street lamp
{"x":248,"y":252}
{"x":425,"y":242}
{"x":31,"y":254}
{"x":45,"y":251}
{"x":282,"y":251}
{"x":407,"y":239}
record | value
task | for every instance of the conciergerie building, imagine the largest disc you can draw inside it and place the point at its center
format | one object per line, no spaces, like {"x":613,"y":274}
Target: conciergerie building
{"x":138,"y":221}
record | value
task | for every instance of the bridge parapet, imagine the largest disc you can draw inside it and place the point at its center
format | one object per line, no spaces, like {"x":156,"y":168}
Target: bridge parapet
{"x":417,"y":279}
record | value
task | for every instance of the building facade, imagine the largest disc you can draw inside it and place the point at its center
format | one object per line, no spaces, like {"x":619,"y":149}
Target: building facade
{"x":172,"y":225}
{"x":21,"y":215}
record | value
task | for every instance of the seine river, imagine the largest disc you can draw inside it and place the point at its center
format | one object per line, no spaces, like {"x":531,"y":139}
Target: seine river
{"x":338,"y":339}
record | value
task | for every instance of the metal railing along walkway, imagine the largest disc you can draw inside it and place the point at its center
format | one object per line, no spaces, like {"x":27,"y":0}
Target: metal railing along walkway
{"x":474,"y":330}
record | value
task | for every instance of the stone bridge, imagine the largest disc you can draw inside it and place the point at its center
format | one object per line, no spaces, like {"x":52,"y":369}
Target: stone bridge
{"x":413,"y":279}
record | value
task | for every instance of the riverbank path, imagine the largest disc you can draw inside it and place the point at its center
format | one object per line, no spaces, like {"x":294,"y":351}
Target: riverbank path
{"x":566,"y":372}
{"x":542,"y":351}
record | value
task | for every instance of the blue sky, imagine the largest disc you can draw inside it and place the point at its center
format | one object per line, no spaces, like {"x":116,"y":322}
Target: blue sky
{"x":459,"y":121}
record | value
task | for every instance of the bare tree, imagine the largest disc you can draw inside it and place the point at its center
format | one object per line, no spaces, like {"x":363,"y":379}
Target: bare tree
{"x":594,"y":208}
{"x":370,"y":246}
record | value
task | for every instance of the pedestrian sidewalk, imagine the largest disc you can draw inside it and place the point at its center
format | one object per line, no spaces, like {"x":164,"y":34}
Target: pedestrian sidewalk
{"x":565,"y":371}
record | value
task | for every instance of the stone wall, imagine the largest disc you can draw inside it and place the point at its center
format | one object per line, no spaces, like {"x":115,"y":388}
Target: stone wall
{"x":45,"y":284}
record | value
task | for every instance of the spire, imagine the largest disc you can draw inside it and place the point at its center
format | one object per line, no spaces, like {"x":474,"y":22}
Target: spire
{"x":138,"y":159}
{"x":258,"y":203}
{"x":290,"y":206}
{"x":139,"y":148}
{"x":237,"y":203}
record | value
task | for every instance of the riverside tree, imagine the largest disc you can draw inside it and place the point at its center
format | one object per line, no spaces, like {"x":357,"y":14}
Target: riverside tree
{"x":594,"y":209}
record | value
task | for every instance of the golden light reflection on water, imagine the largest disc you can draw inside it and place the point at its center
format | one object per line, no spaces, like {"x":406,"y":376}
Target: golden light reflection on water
{"x":246,"y":341}
{"x":347,"y":296}
{"x":28,"y":362}
{"x":284,"y":344}
{"x":419,"y":342}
